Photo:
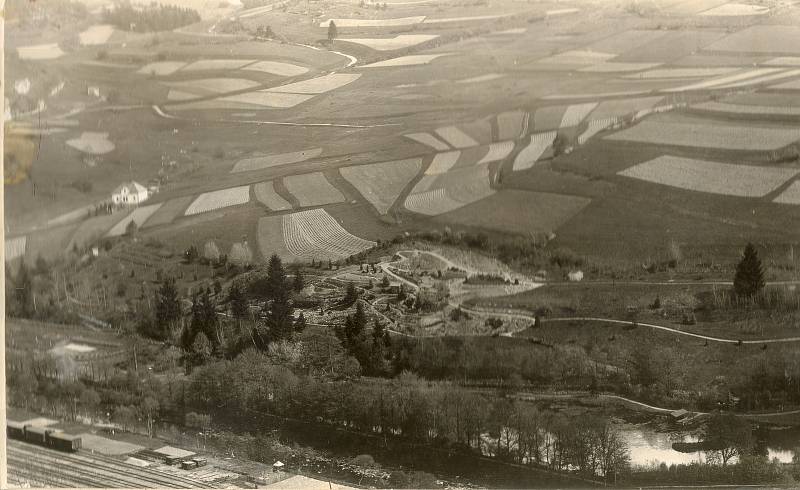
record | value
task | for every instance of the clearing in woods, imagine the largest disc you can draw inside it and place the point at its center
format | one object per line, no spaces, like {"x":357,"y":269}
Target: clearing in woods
{"x":266,"y":195}
{"x":40,"y":52}
{"x":223,"y":198}
{"x":312,"y":189}
{"x":382,"y":183}
{"x":712,"y":177}
{"x":316,"y":234}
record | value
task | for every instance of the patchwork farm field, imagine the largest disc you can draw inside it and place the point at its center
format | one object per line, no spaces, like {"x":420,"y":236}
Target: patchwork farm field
{"x":713,"y":177}
{"x":704,"y":134}
{"x":382,"y":183}
{"x":512,"y":211}
{"x":312,"y":189}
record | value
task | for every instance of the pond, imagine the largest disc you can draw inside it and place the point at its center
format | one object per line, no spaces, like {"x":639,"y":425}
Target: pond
{"x":649,"y":447}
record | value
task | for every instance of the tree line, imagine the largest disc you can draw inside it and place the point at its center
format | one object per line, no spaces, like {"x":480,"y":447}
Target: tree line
{"x":151,"y":18}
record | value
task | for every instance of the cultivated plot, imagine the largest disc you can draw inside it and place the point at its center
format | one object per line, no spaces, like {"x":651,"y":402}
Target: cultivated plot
{"x":211,"y":201}
{"x":765,"y":39}
{"x":161,"y":68}
{"x":443,"y":162}
{"x":682,"y":73}
{"x":791,"y":195}
{"x":623,"y":41}
{"x":784,"y":61}
{"x":318,"y":85}
{"x":382,"y":183}
{"x":92,"y":143}
{"x":139,"y":216}
{"x":261,"y":162}
{"x":90,"y":230}
{"x":480,"y":130}
{"x":577,"y":57}
{"x":212,"y":65}
{"x":748,"y":109}
{"x":735,"y":10}
{"x":519,"y":212}
{"x":497,"y":152}
{"x":312,"y":189}
{"x":455,"y":137}
{"x":624,"y":107}
{"x":428,"y":140}
{"x":717,"y":82}
{"x":575,"y":114}
{"x":438,"y":194}
{"x":547,"y":118}
{"x":40,"y":52}
{"x":257,"y":100}
{"x":266,"y":195}
{"x":411,"y":60}
{"x":511,"y":124}
{"x":539,"y":143}
{"x":400,"y":21}
{"x":207,"y":86}
{"x":705,"y":134}
{"x":169,"y":211}
{"x":96,"y":35}
{"x":595,"y":126}
{"x":392,"y":43}
{"x":277,"y":68}
{"x":618,"y":66}
{"x":712,"y":177}
{"x":315,"y":234}
{"x":270,"y":238}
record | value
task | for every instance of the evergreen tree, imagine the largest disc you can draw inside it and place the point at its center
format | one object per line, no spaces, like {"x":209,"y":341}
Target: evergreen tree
{"x":168,"y":308}
{"x":237,"y":301}
{"x":300,"y":323}
{"x":276,"y":277}
{"x":22,"y":292}
{"x":350,"y":295}
{"x":749,"y":278}
{"x":299,"y":282}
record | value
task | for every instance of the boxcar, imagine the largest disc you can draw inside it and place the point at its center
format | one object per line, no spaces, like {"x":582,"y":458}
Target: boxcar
{"x":64,"y":442}
{"x":173,"y":460}
{"x":200,"y":461}
{"x":188,"y":465}
{"x":15,"y":430}
{"x":36,"y":435}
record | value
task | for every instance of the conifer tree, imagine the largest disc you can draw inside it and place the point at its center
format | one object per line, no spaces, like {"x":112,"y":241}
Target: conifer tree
{"x":749,"y":278}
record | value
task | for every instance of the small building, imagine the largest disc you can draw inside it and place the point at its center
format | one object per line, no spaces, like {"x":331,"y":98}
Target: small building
{"x":129,"y":194}
{"x":679,"y":414}
{"x":93,"y":91}
{"x":277,"y":466}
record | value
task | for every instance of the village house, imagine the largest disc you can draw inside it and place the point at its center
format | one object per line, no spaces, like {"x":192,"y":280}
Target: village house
{"x":129,"y":194}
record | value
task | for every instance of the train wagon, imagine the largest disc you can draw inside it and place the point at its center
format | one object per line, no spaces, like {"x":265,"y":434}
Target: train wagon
{"x":15,"y":430}
{"x":200,"y":461}
{"x":64,"y":442}
{"x":36,"y":435}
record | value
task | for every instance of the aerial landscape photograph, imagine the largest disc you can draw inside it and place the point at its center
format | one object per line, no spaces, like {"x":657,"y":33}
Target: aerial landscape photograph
{"x":352,"y":244}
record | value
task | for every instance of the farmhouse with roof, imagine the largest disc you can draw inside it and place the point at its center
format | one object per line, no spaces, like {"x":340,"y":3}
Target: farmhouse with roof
{"x":129,"y":194}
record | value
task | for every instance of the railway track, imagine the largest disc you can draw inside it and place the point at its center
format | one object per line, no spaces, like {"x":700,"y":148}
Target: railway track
{"x":83,"y":470}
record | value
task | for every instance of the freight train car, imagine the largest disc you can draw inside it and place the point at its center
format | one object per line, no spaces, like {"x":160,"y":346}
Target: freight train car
{"x":43,"y":436}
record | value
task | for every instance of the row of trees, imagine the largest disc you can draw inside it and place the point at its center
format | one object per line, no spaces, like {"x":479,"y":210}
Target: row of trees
{"x":409,"y":409}
{"x":151,"y":18}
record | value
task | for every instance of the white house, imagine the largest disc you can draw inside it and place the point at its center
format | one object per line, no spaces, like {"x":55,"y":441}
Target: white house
{"x":129,"y":194}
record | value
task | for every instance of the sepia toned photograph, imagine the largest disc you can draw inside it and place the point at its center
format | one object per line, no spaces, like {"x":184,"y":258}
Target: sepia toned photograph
{"x":401,"y":244}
